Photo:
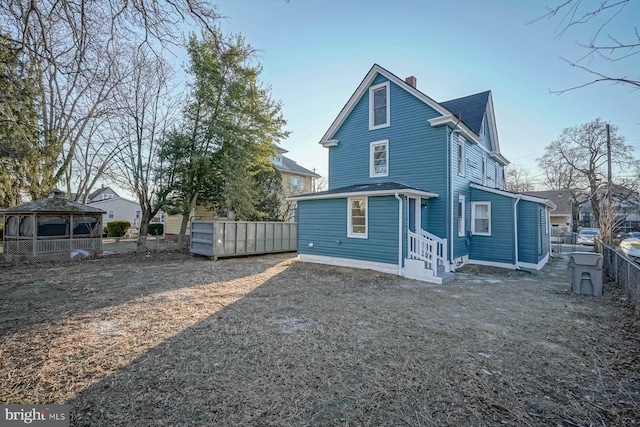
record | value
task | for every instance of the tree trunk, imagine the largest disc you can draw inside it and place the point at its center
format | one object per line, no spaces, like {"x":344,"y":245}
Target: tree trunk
{"x":185,"y":220}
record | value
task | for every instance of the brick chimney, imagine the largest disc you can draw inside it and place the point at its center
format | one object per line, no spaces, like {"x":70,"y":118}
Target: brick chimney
{"x":411,"y":81}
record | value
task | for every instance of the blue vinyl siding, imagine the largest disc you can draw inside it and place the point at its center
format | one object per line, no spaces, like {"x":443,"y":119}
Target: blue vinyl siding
{"x":324,"y":223}
{"x":417,"y":150}
{"x":499,"y":247}
{"x":528,"y":231}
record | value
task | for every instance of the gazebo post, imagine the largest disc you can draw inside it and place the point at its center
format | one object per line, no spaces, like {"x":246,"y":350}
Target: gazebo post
{"x":35,"y":234}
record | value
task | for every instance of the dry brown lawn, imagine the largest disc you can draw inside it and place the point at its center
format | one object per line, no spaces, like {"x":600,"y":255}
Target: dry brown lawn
{"x":166,"y":339}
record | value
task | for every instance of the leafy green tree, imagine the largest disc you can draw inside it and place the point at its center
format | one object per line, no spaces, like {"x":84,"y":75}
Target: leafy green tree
{"x":268,"y":206}
{"x":18,"y":123}
{"x":227,"y":133}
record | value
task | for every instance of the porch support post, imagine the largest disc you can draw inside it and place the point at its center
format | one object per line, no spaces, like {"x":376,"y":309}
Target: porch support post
{"x":399,"y":233}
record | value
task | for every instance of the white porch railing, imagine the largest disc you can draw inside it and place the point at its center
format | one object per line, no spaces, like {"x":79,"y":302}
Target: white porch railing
{"x":429,"y":248}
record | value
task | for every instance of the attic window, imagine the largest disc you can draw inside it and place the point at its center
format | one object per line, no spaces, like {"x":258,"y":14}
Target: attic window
{"x":379,"y":115}
{"x":276,"y":160}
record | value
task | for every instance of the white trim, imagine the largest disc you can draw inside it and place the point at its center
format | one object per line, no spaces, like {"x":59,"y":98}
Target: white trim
{"x":372,"y":169}
{"x":374,"y":193}
{"x":492,"y":264}
{"x":351,"y":263}
{"x":473,"y":219}
{"x":372,"y":90}
{"x":514,"y":195}
{"x":329,"y":143}
{"x":350,"y":233}
{"x":537,"y":266}
{"x":364,"y":86}
{"x":454,"y":122}
{"x":461,"y":153}
{"x":462,"y":199}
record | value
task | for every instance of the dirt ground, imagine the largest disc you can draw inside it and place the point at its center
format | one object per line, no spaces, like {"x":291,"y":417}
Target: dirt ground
{"x":161,"y":338}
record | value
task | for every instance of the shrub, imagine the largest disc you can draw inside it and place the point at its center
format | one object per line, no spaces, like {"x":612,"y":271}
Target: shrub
{"x":1,"y":231}
{"x":117,"y":228}
{"x":156,"y":229}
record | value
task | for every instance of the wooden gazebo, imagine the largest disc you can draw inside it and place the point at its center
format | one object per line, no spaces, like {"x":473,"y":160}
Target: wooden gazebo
{"x":51,"y":228}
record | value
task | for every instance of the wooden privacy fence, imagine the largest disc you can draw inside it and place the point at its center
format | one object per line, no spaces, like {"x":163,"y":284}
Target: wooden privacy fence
{"x":231,"y":238}
{"x":624,"y":272}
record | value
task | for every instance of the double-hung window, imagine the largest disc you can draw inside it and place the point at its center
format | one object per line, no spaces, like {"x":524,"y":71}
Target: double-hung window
{"x":379,"y":158}
{"x":481,"y":218}
{"x":484,"y":170}
{"x":461,"y":159}
{"x":379,"y":115}
{"x":357,"y":217}
{"x":111,"y":213}
{"x":461,"y":215}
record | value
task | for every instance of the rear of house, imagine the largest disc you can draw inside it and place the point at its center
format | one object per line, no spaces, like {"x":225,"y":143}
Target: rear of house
{"x":416,"y":188}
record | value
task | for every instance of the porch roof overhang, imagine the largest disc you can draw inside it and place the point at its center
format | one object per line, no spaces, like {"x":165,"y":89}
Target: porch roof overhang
{"x":379,"y":189}
{"x":520,"y":196}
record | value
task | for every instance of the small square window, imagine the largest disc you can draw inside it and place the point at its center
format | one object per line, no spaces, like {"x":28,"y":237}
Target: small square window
{"x":379,"y":114}
{"x":481,"y":218}
{"x":296,"y":185}
{"x":379,"y":159}
{"x":357,"y":218}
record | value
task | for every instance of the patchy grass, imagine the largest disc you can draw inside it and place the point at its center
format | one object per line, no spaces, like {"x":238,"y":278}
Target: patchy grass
{"x":165,"y":339}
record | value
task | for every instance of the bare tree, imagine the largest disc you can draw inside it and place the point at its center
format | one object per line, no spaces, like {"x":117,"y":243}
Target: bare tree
{"x":604,"y":16}
{"x":517,"y":179}
{"x":583,"y":151}
{"x":145,"y":105}
{"x":73,"y":46}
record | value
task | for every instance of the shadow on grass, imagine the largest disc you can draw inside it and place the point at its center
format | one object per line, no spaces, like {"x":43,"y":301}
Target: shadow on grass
{"x":46,"y":293}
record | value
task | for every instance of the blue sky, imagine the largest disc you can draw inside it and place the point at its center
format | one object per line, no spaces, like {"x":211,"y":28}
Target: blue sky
{"x":314,"y":54}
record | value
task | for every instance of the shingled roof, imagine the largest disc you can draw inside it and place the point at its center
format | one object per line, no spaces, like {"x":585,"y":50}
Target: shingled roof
{"x":289,"y":165}
{"x":53,"y":205}
{"x":470,"y":109}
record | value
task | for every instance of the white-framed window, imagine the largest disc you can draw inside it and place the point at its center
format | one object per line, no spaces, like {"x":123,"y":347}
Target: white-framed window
{"x":296,"y":185}
{"x":138,"y":214}
{"x":276,"y":160}
{"x":379,"y":112}
{"x":461,"y":215}
{"x":461,"y":158}
{"x":484,"y":170}
{"x":357,"y":219}
{"x":111,"y":213}
{"x":106,"y":196}
{"x":481,"y":218}
{"x":379,"y":158}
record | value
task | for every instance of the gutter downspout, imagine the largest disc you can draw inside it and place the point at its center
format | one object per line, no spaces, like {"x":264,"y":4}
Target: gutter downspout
{"x":515,"y":228}
{"x":399,"y":233}
{"x":450,"y":183}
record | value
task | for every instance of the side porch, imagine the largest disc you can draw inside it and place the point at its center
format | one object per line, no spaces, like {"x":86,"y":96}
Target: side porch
{"x":374,"y":226}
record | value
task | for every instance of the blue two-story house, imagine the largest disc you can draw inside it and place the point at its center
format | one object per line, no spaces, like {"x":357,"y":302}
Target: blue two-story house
{"x":416,"y":188}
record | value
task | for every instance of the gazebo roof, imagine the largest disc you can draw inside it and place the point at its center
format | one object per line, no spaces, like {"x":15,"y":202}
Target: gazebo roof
{"x":52,"y":205}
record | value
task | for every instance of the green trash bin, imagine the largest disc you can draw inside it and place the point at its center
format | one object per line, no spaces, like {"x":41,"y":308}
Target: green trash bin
{"x":586,"y":273}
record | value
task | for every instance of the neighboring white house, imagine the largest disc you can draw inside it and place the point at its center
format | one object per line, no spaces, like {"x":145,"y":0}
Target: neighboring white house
{"x":119,"y":209}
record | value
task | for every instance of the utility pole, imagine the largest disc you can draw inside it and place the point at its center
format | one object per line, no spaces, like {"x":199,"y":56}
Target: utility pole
{"x":608,"y":165}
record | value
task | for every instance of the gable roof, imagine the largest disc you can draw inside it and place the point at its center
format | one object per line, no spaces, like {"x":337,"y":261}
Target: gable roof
{"x":53,"y":205}
{"x":95,"y":193}
{"x":470,"y":107}
{"x":377,"y":189}
{"x":563,"y":200}
{"x":289,"y":165}
{"x":521,"y":196}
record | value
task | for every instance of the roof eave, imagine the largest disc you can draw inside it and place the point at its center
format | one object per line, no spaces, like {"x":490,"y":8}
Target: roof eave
{"x":419,"y":193}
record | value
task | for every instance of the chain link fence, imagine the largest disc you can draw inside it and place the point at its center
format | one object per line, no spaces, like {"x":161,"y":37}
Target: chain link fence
{"x":624,"y":272}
